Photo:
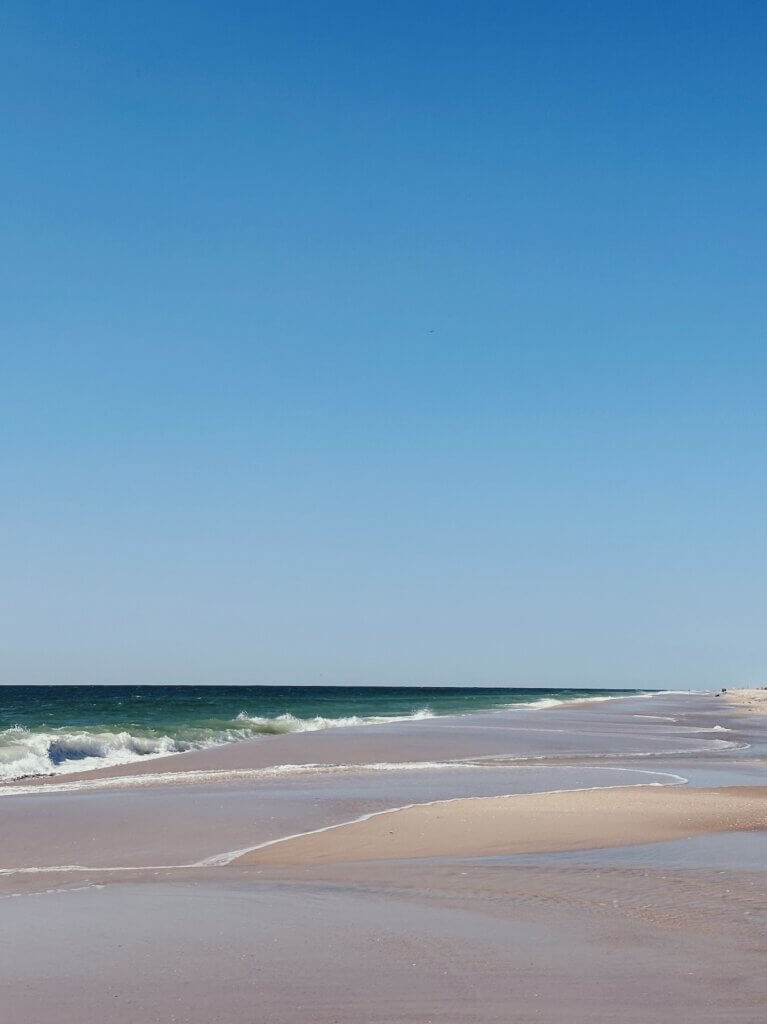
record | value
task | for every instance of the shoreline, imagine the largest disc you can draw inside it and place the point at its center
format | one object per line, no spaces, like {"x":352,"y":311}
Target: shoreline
{"x":341,"y":782}
{"x":404,"y":876}
{"x":524,"y":823}
{"x":162,"y":761}
{"x":747,"y":700}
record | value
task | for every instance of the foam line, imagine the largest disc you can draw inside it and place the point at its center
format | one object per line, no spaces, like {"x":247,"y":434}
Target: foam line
{"x":226,"y":858}
{"x":221,"y":860}
{"x":25,"y":753}
{"x":289,"y":770}
{"x":227,"y":774}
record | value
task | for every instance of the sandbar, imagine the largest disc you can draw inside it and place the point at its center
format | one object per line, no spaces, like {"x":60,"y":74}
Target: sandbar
{"x":530,"y":823}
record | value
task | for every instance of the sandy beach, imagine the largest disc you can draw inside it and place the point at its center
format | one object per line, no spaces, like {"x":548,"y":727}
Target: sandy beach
{"x":538,"y":823}
{"x":749,"y":700}
{"x":382,"y":528}
{"x":567,"y":864}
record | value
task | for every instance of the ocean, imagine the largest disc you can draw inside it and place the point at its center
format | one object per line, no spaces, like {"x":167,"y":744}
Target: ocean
{"x":52,"y":730}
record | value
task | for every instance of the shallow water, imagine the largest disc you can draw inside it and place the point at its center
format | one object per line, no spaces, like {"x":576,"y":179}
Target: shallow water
{"x":206,"y":804}
{"x":121,"y":879}
{"x":448,"y":946}
{"x":183,"y":824}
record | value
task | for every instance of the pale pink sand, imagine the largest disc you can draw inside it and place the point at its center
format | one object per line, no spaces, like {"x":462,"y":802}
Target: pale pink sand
{"x":532,"y":823}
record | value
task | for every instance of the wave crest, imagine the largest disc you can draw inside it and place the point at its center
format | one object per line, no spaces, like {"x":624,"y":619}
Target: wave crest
{"x":290,"y":723}
{"x":25,"y":753}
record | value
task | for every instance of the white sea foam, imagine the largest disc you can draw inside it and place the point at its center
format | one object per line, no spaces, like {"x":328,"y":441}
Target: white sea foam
{"x":554,"y":702}
{"x":222,"y":775}
{"x":289,"y":723}
{"x":534,"y":762}
{"x":26,"y":753}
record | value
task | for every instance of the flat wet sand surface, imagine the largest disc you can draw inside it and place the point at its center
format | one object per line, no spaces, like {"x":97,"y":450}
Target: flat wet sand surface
{"x":457,"y":943}
{"x":147,"y":902}
{"x":536,"y":823}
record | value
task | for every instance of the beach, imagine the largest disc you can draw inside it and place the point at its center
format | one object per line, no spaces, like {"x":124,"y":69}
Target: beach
{"x":502,"y":826}
{"x":382,"y":618}
{"x":600,"y":860}
{"x":751,"y":700}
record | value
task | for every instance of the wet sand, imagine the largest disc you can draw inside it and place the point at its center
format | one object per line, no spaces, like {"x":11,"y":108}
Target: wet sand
{"x":123,"y":896}
{"x":456,"y":942}
{"x":539,"y":823}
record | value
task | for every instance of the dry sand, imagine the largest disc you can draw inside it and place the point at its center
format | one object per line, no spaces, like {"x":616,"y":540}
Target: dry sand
{"x":750,"y":700}
{"x":536,"y":823}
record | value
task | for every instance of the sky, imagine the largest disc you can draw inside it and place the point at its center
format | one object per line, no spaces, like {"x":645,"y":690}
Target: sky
{"x":404,"y":343}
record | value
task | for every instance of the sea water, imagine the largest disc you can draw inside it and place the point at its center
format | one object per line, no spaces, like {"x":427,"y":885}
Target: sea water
{"x":49,"y":730}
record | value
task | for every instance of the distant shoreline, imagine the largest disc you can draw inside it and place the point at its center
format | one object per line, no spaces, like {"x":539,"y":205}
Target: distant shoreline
{"x":748,"y":700}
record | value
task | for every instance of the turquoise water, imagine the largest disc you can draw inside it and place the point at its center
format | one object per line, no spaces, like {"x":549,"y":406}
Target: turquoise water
{"x":55,"y":729}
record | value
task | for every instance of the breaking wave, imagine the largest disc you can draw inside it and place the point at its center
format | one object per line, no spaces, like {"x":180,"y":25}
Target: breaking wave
{"x":25,"y":753}
{"x":61,"y":730}
{"x":289,"y":723}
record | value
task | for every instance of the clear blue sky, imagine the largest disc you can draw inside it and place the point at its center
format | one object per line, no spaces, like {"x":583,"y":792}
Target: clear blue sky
{"x":383,"y":342}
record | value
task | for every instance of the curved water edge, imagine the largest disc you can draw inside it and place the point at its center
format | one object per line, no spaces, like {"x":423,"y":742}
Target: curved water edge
{"x":26,"y":753}
{"x":228,"y":857}
{"x":61,"y":730}
{"x":708,"y":738}
{"x":227,"y":776}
